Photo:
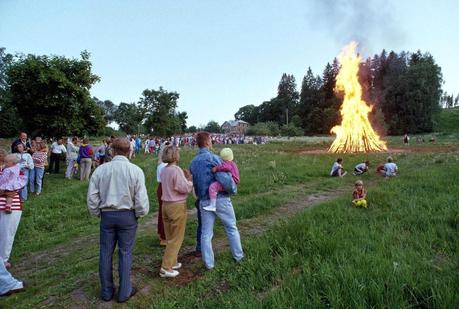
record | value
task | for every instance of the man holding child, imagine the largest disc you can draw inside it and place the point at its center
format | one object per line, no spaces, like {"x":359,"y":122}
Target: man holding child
{"x":201,"y":169}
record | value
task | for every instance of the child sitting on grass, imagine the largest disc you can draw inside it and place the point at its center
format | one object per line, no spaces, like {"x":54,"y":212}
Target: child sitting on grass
{"x":361,"y":168}
{"x":228,"y":165}
{"x":337,"y":169}
{"x":390,"y":168}
{"x":359,"y":195}
{"x":11,"y":180}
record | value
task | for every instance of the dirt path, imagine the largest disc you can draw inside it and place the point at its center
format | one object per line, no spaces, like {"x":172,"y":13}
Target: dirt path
{"x":192,"y":269}
{"x":49,"y":257}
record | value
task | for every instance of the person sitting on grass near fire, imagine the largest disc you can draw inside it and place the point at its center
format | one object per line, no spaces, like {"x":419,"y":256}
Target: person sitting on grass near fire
{"x":361,"y":168}
{"x":380,"y":168}
{"x":11,"y":180}
{"x":359,"y":195}
{"x":337,"y":169}
{"x":390,"y":168}
{"x":228,"y":165}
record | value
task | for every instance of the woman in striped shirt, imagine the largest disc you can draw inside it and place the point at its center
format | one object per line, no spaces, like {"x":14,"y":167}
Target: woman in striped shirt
{"x":39,"y":157}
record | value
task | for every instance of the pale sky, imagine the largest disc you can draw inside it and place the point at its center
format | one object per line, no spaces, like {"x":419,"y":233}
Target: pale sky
{"x":221,"y":55}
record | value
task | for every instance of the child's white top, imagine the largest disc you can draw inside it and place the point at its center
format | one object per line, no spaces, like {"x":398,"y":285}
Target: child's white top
{"x":335,"y":167}
{"x":361,"y":166}
{"x":390,"y":168}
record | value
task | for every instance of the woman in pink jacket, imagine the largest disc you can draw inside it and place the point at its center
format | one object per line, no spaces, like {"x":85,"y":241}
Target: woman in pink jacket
{"x":176,"y":185}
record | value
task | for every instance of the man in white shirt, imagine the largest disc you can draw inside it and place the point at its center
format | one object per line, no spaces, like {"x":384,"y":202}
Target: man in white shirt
{"x":117,"y":194}
{"x":57,"y":149}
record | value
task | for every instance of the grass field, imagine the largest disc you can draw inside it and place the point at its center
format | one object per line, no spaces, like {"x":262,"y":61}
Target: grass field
{"x":401,"y":252}
{"x":305,"y":245}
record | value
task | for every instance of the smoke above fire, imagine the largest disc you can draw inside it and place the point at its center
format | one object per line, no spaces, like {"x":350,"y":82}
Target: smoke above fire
{"x":364,"y":21}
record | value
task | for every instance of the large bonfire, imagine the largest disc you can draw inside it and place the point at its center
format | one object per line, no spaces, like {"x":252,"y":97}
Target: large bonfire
{"x":355,"y":133}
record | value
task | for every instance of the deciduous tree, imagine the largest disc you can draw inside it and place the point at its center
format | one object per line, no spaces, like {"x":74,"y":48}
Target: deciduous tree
{"x":51,"y":94}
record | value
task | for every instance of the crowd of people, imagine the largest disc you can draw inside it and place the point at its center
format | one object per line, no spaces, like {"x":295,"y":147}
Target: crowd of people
{"x":118,"y":195}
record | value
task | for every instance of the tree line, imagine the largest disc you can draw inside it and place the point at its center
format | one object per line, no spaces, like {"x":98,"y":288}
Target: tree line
{"x":403,"y":88}
{"x":50,"y":96}
{"x":154,"y":113}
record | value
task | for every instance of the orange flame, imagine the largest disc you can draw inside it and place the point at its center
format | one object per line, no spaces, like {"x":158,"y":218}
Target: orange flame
{"x":355,"y":134}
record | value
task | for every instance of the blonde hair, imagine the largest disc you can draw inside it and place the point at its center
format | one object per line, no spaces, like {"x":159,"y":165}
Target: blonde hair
{"x":12,"y":157}
{"x":42,"y":146}
{"x":358,"y":182}
{"x":160,"y":154}
{"x":170,"y":154}
{"x":3,"y":153}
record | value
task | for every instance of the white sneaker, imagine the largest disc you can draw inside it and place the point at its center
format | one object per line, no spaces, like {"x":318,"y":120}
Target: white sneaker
{"x":210,"y":208}
{"x":168,"y":274}
{"x":178,"y":266}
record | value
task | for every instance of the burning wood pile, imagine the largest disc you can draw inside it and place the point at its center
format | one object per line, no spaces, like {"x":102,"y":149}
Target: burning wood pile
{"x":355,"y":133}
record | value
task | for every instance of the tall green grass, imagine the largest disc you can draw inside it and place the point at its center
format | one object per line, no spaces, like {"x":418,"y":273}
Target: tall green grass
{"x":401,"y":252}
{"x":59,"y":214}
{"x":333,"y":255}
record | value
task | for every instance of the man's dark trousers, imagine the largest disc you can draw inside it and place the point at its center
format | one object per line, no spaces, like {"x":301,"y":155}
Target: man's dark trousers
{"x":199,"y":229}
{"x":116,"y":227}
{"x":54,"y":160}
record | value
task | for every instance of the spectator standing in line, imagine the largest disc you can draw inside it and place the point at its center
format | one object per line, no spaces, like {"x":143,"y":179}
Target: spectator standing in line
{"x":10,"y":203}
{"x":159,"y":195}
{"x":39,"y":157}
{"x":57,"y":150}
{"x":201,"y":169}
{"x":176,"y":185}
{"x":25,"y":162}
{"x":72,"y":156}
{"x":117,"y":194}
{"x":21,"y":140}
{"x":86,"y":154}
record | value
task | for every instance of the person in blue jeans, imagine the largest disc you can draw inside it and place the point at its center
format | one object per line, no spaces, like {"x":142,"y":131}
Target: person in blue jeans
{"x":201,"y":169}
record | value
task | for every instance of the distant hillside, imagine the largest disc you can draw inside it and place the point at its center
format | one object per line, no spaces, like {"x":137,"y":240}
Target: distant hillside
{"x":447,"y":121}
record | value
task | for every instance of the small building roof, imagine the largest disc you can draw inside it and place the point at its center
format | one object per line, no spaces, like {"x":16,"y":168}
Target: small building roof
{"x":234,"y":123}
